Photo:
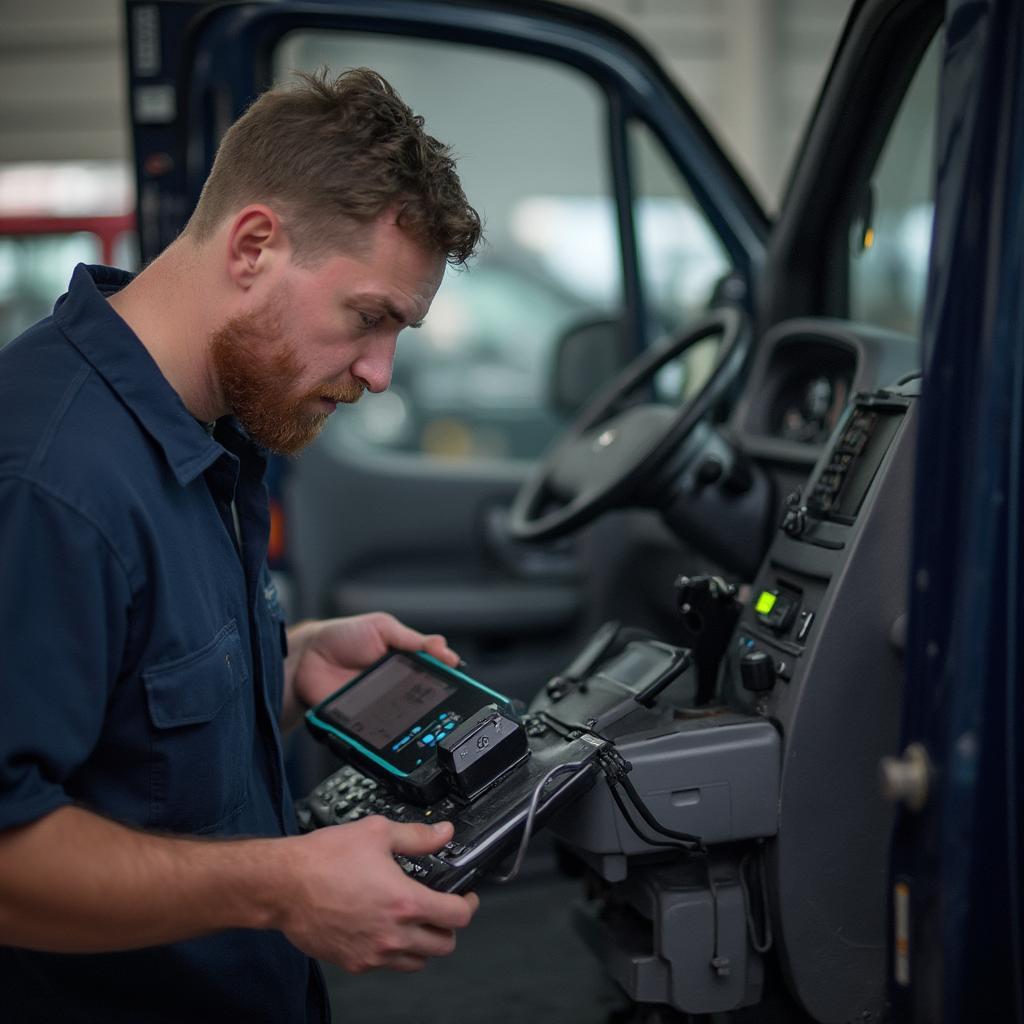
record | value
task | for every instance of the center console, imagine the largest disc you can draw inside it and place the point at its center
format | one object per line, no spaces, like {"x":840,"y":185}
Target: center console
{"x":777,"y":774}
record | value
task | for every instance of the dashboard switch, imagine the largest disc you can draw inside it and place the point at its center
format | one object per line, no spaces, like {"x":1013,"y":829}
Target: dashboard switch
{"x":775,"y":609}
{"x":806,"y":618}
{"x":794,"y":521}
{"x":757,"y":671}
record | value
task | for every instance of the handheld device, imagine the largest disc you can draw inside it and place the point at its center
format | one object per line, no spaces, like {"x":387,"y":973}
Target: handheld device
{"x":393,"y":719}
{"x":425,"y":742}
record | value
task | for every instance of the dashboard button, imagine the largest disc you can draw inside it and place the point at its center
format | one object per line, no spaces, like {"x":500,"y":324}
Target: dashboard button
{"x":775,"y":610}
{"x":757,"y":671}
{"x":806,"y":618}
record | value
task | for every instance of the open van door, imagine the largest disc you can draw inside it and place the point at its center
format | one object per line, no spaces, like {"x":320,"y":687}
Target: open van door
{"x":957,"y":910}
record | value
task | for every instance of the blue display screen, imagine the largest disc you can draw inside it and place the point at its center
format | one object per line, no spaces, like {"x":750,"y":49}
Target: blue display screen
{"x":402,"y":708}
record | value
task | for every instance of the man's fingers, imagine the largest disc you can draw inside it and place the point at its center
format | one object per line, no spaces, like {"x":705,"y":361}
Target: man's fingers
{"x":426,"y":940}
{"x":436,"y":645}
{"x":405,"y":962}
{"x":397,"y":634}
{"x":416,"y":839}
{"x":442,"y":910}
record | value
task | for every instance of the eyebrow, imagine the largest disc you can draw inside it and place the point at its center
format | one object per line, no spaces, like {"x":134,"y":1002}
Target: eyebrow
{"x":392,"y":311}
{"x":401,"y":319}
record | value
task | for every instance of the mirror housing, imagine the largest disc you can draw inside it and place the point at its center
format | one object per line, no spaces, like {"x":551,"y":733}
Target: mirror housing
{"x":586,"y":356}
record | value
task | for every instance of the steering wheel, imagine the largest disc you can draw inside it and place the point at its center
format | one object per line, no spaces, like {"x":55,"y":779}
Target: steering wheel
{"x":609,"y":452}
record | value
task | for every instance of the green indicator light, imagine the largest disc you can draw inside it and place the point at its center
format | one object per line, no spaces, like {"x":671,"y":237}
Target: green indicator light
{"x":765,"y":603}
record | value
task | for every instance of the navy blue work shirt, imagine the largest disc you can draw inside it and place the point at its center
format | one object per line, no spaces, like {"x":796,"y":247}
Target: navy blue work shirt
{"x":141,"y":656}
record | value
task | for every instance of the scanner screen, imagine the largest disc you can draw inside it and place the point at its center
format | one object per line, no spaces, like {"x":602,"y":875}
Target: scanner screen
{"x":387,"y":701}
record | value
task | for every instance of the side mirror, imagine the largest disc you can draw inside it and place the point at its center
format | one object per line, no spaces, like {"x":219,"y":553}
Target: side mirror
{"x":586,"y":356}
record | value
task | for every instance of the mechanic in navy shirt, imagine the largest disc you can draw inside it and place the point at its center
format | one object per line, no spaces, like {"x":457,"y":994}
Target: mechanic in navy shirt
{"x":149,"y":869}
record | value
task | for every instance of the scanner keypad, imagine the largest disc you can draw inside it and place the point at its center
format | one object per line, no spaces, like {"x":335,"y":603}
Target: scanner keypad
{"x":349,"y":795}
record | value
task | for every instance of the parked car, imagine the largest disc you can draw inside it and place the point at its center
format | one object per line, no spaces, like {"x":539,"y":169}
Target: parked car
{"x":840,"y":437}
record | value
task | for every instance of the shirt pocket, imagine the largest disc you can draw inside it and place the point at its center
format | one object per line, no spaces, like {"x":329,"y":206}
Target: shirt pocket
{"x":201,"y":742}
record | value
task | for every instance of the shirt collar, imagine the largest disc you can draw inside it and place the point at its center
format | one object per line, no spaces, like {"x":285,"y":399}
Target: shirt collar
{"x":114,"y":350}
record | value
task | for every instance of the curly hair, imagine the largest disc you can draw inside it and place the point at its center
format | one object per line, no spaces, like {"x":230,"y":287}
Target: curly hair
{"x":333,"y":152}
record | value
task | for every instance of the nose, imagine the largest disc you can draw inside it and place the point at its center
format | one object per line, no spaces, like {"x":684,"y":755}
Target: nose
{"x":373,"y":367}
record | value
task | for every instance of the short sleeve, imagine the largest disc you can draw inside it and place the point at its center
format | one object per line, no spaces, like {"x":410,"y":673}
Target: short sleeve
{"x":64,"y":607}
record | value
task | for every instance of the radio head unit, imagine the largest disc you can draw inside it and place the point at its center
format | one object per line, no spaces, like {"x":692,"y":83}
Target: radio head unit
{"x":855,"y":457}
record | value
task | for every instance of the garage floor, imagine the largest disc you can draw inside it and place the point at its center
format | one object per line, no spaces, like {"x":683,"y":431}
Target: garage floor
{"x":518,"y":963}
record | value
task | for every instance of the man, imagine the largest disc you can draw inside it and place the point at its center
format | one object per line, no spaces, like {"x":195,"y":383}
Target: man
{"x":148,"y":864}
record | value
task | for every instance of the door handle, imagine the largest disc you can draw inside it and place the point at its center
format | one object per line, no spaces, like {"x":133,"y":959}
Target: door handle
{"x":906,"y":779}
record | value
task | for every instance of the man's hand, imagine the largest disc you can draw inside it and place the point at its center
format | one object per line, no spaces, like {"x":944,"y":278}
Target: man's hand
{"x":325,"y":655}
{"x":352,"y":905}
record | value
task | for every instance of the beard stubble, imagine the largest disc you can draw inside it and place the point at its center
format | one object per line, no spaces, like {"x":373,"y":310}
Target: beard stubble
{"x":257,"y":370}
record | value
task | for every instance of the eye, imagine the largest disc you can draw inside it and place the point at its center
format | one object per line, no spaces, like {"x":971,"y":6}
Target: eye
{"x":368,"y":320}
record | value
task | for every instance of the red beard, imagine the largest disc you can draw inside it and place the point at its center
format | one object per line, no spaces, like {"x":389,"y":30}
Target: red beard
{"x":257,"y":371}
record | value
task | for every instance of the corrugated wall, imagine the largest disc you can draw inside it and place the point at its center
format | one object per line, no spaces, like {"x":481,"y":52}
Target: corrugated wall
{"x":62,"y":81}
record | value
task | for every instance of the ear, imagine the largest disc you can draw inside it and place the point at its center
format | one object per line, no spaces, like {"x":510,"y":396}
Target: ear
{"x":256,"y":243}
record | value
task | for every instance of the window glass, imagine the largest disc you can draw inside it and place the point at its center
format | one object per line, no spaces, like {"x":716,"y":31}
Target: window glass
{"x":681,"y":259}
{"x":530,"y":139}
{"x":34,"y":270}
{"x":891,"y":232}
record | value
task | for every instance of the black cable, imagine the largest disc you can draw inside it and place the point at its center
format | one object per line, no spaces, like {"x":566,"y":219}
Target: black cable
{"x":719,"y":964}
{"x":760,"y":944}
{"x":663,"y":844}
{"x":637,"y":801}
{"x":617,"y":769}
{"x":559,"y":769}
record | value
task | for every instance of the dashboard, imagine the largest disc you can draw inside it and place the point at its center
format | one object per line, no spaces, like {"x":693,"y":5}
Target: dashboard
{"x":830,"y":411}
{"x":804,"y":376}
{"x":778,"y":766}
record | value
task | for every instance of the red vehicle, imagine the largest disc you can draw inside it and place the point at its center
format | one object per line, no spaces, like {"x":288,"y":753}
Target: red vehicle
{"x":39,"y":251}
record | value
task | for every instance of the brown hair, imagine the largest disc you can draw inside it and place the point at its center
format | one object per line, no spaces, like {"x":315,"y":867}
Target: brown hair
{"x":328,"y":152}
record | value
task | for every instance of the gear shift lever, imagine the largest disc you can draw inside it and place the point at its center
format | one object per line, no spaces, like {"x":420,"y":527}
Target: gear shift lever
{"x":709,"y":609}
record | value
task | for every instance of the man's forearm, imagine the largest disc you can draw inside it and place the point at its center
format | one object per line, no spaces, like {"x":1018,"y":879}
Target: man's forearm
{"x":75,"y":882}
